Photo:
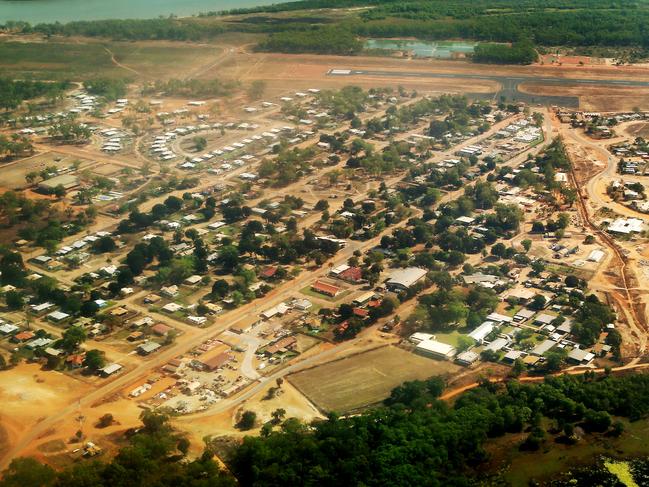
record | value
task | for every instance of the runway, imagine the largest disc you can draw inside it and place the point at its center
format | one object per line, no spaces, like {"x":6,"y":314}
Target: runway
{"x":509,"y":84}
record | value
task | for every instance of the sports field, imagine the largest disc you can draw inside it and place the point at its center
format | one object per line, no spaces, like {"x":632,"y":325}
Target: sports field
{"x":365,"y":379}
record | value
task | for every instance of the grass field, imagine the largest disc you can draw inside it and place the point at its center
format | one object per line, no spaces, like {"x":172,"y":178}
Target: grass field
{"x":565,"y":270}
{"x":451,"y":338}
{"x":557,"y":457}
{"x":365,"y":379}
{"x":87,"y":60}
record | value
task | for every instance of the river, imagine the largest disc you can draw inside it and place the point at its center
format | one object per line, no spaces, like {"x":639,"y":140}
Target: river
{"x":35,"y":11}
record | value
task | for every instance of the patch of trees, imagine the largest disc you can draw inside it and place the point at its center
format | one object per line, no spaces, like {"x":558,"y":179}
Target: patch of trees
{"x":144,"y":254}
{"x":447,"y":308}
{"x":199,"y":88}
{"x":109,"y":88}
{"x":321,"y":40}
{"x":69,"y":132}
{"x":138,"y":221}
{"x":14,"y":92}
{"x":132,"y":29}
{"x":590,"y":320}
{"x":346,"y":102}
{"x":579,"y":23}
{"x":418,"y":440}
{"x":517,"y":53}
{"x":15,"y":145}
{"x":289,"y":165}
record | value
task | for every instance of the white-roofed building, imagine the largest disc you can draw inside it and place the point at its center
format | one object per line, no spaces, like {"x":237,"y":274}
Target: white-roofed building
{"x":403,"y":279}
{"x":481,"y":332}
{"x":435,"y":349}
{"x":626,"y":226}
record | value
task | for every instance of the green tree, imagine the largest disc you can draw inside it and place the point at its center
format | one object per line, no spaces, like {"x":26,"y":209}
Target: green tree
{"x":247,"y":420}
{"x":72,"y":338}
{"x":200,"y":143}
{"x":220,"y":288}
{"x":256,"y":89}
{"x":464,"y":342}
{"x":27,"y":472}
{"x":14,"y":300}
{"x":94,"y":360}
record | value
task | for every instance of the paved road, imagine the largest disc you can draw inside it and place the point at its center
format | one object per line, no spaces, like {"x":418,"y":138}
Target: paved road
{"x":252,"y":344}
{"x":509,"y":84}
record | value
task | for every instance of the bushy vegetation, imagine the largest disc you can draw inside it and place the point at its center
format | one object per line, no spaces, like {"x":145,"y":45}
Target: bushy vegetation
{"x":155,"y":456}
{"x":132,"y":30}
{"x":110,"y":89}
{"x":191,"y":87}
{"x":324,"y":40}
{"x":518,"y":53}
{"x":15,"y":146}
{"x":14,"y":92}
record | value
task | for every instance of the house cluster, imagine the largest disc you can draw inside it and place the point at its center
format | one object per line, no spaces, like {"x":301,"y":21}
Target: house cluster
{"x":526,"y":335}
{"x":113,"y":140}
{"x":580,"y":118}
{"x":633,"y":157}
{"x":75,"y":253}
{"x":534,"y":323}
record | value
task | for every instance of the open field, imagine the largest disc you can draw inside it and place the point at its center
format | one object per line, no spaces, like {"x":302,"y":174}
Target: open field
{"x":361,"y":380}
{"x":602,"y":98}
{"x":13,"y":173}
{"x":521,"y":466}
{"x":80,"y":60}
{"x":31,"y":394}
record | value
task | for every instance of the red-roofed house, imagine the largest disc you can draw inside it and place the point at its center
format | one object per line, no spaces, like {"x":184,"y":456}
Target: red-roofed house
{"x":23,"y":336}
{"x":161,"y":329}
{"x":342,"y":327}
{"x":353,"y":274}
{"x":326,"y":289}
{"x":282,"y":345}
{"x":360,"y":312}
{"x":75,"y":360}
{"x":268,"y":272}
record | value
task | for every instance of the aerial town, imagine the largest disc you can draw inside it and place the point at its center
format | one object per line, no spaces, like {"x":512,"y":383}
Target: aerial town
{"x":266,"y":242}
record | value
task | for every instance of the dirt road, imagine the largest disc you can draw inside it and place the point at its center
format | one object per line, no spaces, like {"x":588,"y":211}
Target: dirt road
{"x":448,"y":395}
{"x":623,"y":293}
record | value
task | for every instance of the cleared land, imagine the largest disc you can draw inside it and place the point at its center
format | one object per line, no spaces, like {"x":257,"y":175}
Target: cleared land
{"x":64,"y":59}
{"x":603,"y":98}
{"x":364,"y":379}
{"x":13,"y":173}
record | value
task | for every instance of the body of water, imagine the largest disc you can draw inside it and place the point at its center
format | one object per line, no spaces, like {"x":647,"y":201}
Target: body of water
{"x":35,"y":11}
{"x":433,"y":49}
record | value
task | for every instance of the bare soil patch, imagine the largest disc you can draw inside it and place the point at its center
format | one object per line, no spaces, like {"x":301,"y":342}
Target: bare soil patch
{"x":597,"y":97}
{"x":640,"y":129}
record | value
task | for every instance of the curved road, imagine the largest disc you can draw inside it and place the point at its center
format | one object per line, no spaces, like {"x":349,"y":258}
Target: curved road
{"x":456,"y":392}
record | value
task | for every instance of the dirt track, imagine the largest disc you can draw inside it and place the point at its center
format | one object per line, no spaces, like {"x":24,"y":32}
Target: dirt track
{"x":622,"y":279}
